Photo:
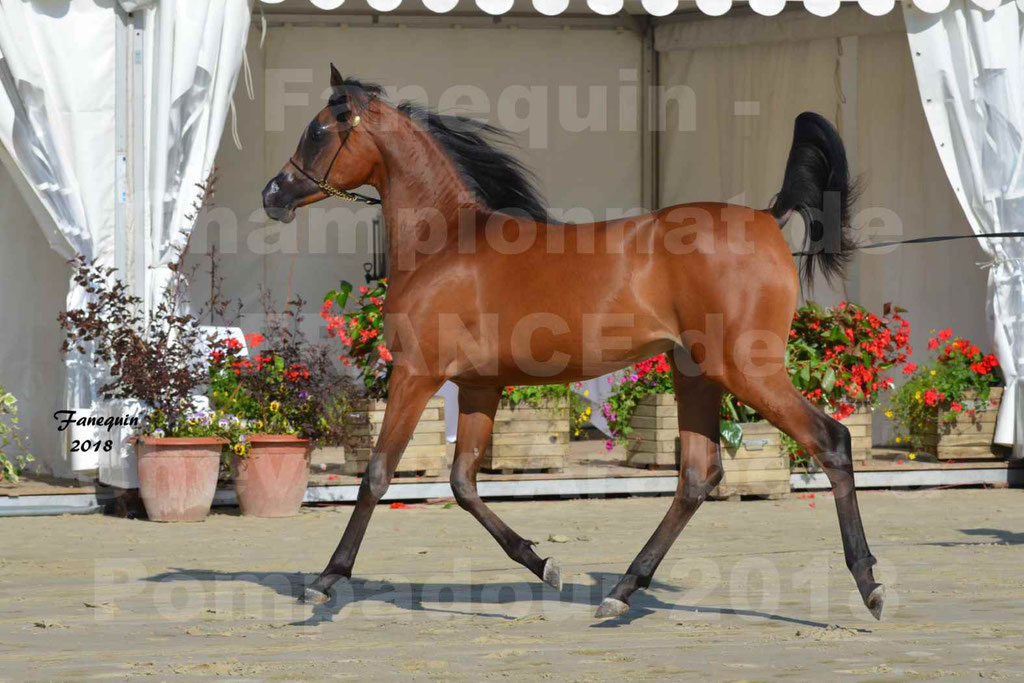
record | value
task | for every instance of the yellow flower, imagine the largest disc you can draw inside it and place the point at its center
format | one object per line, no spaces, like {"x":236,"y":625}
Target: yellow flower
{"x":239,"y":449}
{"x":274,"y":406}
{"x":586,"y":392}
{"x":898,"y":439}
{"x":888,"y":414}
{"x":912,"y":456}
{"x":917,"y":397}
{"x":932,"y":373}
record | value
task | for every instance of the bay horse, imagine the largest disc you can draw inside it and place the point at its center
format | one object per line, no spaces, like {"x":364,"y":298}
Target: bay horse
{"x":486,"y":291}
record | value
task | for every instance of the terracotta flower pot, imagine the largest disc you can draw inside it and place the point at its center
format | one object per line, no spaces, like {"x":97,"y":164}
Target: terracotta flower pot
{"x":271,"y":480}
{"x":178,"y":477}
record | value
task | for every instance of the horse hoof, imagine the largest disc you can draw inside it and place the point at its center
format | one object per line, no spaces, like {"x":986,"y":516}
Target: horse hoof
{"x":312,"y":596}
{"x":552,"y":575}
{"x":610,"y":608}
{"x":876,"y":601}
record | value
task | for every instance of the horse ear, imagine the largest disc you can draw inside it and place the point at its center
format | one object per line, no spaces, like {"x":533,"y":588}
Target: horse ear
{"x":336,"y":80}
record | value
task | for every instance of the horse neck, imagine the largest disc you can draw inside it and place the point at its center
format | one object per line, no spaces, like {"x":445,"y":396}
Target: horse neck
{"x":421,"y":190}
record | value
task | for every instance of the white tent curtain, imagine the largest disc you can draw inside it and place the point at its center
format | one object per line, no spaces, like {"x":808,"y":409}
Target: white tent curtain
{"x":57,"y":118}
{"x":970,"y":75}
{"x":57,"y":131}
{"x":193,"y":55}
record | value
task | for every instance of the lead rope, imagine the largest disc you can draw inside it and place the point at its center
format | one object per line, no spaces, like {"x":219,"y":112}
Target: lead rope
{"x":926,"y":240}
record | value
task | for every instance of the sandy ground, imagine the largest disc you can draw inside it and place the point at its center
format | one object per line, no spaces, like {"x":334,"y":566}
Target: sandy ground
{"x":753,"y":590}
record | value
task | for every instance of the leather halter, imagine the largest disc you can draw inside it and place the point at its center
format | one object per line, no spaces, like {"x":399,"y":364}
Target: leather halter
{"x":325,"y":186}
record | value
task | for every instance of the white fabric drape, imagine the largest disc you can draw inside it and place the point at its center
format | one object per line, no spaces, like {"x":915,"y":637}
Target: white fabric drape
{"x":970,"y":75}
{"x":57,"y":132}
{"x":194,"y":53}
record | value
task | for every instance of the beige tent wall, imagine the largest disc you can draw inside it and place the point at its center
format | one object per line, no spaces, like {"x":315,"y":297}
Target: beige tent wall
{"x":592,"y":170}
{"x":731,"y":142}
{"x":34,"y":287}
{"x":941,"y":285}
{"x":734,"y":154}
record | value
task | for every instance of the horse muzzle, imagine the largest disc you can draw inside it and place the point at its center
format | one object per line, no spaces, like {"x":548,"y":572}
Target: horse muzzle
{"x":278,"y":201}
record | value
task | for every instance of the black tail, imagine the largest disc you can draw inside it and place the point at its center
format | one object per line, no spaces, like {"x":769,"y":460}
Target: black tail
{"x":817,"y":184}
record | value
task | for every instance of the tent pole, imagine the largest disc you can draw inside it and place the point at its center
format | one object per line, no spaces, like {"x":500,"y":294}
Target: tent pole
{"x":121,"y":41}
{"x":649,"y":104}
{"x":848,"y":129}
{"x":137,"y":86}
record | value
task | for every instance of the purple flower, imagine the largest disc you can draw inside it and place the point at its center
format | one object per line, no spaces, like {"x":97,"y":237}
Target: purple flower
{"x":608,"y":445}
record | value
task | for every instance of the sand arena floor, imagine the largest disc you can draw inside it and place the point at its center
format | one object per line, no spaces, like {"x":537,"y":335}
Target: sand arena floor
{"x":752,"y":590}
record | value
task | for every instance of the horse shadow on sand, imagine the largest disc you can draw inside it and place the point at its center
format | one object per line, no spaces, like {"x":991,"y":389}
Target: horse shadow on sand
{"x":989,"y":537}
{"x":481,"y":596}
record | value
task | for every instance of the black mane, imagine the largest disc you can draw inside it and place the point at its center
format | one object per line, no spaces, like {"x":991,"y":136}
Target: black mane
{"x":499,"y":180}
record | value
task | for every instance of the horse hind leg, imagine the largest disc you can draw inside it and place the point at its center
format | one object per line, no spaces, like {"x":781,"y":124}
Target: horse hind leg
{"x":700,"y":470}
{"x":828,"y":442}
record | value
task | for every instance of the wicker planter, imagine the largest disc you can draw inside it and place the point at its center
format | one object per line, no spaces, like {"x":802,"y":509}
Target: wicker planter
{"x":965,"y":438}
{"x":529,"y":437}
{"x":271,"y":480}
{"x":178,"y":477}
{"x":425,"y":453}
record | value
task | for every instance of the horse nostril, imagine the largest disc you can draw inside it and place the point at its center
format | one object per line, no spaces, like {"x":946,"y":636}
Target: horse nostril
{"x":272,"y":192}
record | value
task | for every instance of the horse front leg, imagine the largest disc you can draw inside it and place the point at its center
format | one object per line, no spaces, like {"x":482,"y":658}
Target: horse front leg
{"x":477,"y":406}
{"x":408,"y":394}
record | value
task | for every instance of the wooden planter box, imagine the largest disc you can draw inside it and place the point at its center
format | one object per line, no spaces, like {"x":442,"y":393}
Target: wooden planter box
{"x":655,"y":439}
{"x":425,"y":453}
{"x":966,"y":438}
{"x":758,"y":467}
{"x":529,"y":438}
{"x":859,"y":424}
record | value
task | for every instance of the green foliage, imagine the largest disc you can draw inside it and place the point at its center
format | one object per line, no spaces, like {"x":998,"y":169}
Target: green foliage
{"x":155,"y":359}
{"x":959,"y":375}
{"x":14,"y":455}
{"x":361,"y":333}
{"x":535,"y":396}
{"x":285,"y":386}
{"x":837,"y":357}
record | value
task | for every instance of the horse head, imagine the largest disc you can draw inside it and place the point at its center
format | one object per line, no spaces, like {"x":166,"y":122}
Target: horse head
{"x":335,"y":153}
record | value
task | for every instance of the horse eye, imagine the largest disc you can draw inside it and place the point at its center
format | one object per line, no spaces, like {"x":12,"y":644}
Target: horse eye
{"x":316,"y":132}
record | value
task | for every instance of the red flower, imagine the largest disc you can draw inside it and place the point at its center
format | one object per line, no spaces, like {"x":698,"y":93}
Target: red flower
{"x":933,"y":343}
{"x":909,"y":368}
{"x":384,"y":353}
{"x":955,"y":407}
{"x":254,"y":339}
{"x":945,"y":334}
